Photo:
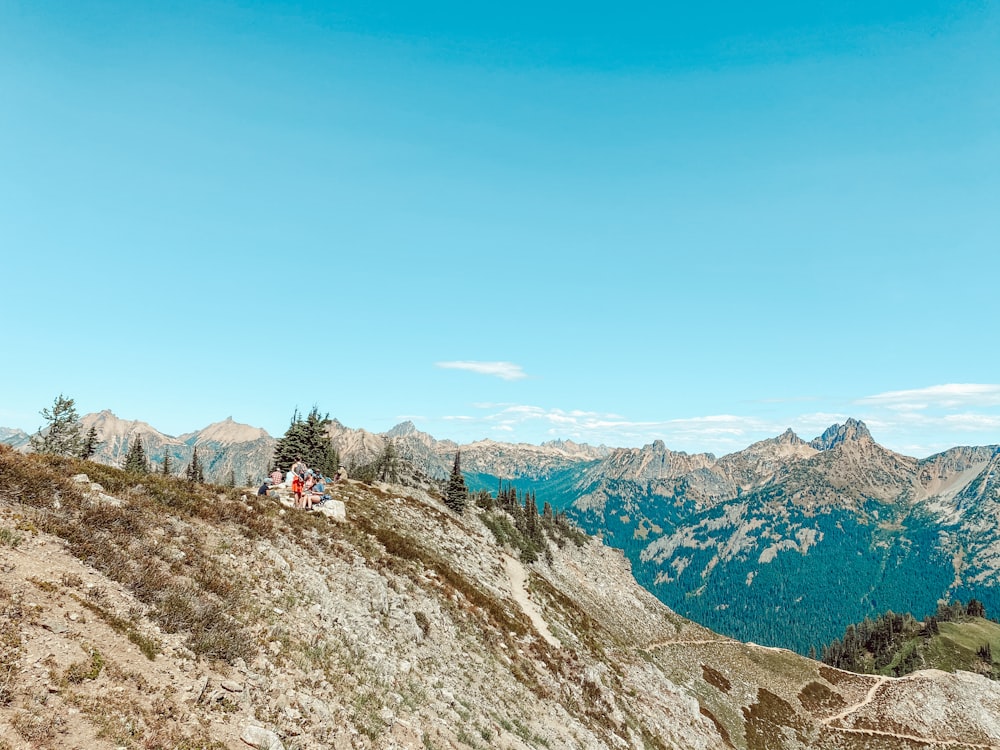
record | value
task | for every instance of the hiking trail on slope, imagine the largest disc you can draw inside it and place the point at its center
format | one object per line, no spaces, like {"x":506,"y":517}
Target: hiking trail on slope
{"x":518,"y":579}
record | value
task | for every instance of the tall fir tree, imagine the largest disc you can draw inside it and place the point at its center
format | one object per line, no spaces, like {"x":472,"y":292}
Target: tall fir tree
{"x":90,"y":443}
{"x":456,"y":495}
{"x":167,"y":463}
{"x":61,"y":437}
{"x":195,"y":472}
{"x":307,"y":439}
{"x":135,"y":459}
{"x":533,"y":528}
{"x":387,"y":468}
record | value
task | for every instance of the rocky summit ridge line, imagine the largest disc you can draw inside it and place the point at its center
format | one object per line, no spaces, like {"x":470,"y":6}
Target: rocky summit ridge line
{"x":166,"y":614}
{"x":784,"y":542}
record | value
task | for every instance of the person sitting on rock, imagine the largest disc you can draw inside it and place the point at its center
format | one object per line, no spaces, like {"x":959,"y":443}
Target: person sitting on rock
{"x":316,"y":495}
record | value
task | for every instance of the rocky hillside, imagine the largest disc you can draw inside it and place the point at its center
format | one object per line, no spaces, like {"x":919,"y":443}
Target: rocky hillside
{"x":159,"y":616}
{"x":787,"y":542}
{"x":784,"y":542}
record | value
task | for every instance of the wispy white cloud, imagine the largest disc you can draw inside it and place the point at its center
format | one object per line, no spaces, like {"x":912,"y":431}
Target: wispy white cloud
{"x":502,"y":370}
{"x":714,"y":432}
{"x":949,"y":396}
{"x":972,"y":422}
{"x":918,"y":422}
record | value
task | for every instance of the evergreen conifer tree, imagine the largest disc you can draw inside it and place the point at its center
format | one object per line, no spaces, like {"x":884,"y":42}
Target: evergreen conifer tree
{"x":387,"y":468}
{"x":135,"y":459}
{"x":307,"y":439}
{"x":166,"y":464}
{"x":231,"y":480}
{"x":532,"y":527}
{"x":90,"y":443}
{"x":195,"y":472}
{"x":62,"y":435}
{"x":456,"y":494}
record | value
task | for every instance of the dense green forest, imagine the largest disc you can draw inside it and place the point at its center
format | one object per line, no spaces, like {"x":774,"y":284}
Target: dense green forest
{"x":864,"y":562}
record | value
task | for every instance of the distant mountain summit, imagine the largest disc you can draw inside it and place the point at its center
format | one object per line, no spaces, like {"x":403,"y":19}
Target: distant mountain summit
{"x":14,"y":437}
{"x":116,"y":435}
{"x":852,"y":430}
{"x":784,"y":542}
{"x":225,"y":432}
{"x":226,"y":449}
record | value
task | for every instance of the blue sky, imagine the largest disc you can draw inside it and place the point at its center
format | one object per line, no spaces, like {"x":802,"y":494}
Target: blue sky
{"x":606,"y":222}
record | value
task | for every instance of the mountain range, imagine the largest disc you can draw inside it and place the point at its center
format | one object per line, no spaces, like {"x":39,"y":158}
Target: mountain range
{"x":785,"y":542}
{"x":156,"y":613}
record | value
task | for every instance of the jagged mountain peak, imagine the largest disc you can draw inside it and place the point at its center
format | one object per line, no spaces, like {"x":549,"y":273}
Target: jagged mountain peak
{"x":228,"y":431}
{"x":853,"y":430}
{"x":403,"y":429}
{"x":789,"y":436}
{"x":109,"y":425}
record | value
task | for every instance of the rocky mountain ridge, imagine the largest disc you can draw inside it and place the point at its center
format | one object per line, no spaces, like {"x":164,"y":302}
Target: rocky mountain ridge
{"x":741,"y":542}
{"x":403,"y":626}
{"x":792,"y":540}
{"x":14,"y":437}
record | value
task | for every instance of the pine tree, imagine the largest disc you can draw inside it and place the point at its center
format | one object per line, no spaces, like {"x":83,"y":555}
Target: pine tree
{"x":231,"y":480}
{"x":166,"y":464}
{"x":90,"y":443}
{"x":195,"y":472}
{"x":307,"y":439}
{"x":62,"y":435}
{"x":388,"y":463}
{"x":135,"y":459}
{"x":456,"y":494}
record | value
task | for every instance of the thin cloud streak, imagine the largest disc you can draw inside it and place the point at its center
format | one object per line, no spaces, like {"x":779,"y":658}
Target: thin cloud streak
{"x":502,"y":370}
{"x":948,"y":396}
{"x":915,"y":421}
{"x":718,"y":431}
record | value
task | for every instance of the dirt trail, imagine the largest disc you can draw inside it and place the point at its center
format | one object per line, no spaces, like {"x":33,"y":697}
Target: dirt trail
{"x":868,"y":699}
{"x":518,"y":579}
{"x":829,"y":721}
{"x":872,"y":691}
{"x":703,"y":642}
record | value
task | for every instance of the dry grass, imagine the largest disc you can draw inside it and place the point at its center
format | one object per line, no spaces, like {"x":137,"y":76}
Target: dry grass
{"x":39,"y":729}
{"x":11,"y":617}
{"x":770,"y":720}
{"x":818,"y":699}
{"x":715,"y":678}
{"x":187,"y":593}
{"x":150,"y":647}
{"x":88,"y":669}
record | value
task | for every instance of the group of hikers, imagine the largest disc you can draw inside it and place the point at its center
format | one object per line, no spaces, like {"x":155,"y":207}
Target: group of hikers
{"x":308,"y":486}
